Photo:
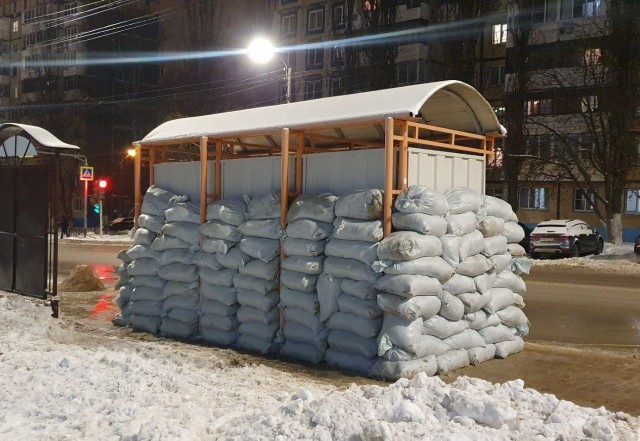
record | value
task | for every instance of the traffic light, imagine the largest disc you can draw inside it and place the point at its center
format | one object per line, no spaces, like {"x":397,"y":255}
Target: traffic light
{"x":96,"y":208}
{"x":99,"y":187}
{"x":103,"y":184}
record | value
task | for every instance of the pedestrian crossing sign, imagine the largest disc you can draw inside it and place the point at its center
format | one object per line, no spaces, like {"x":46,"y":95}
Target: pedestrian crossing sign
{"x":86,"y":173}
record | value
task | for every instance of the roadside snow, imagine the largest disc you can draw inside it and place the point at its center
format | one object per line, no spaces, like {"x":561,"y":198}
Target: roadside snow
{"x":93,"y":237}
{"x":614,"y":259}
{"x":58,"y":383}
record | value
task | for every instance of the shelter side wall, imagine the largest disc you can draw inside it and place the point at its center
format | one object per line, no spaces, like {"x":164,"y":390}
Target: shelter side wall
{"x":341,"y":172}
{"x":253,"y":176}
{"x":184,"y":178}
{"x":442,"y":170}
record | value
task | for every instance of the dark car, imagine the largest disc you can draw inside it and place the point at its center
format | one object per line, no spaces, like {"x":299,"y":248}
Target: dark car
{"x":565,"y":237}
{"x":636,"y":247}
{"x":524,"y":243}
{"x":120,"y":224}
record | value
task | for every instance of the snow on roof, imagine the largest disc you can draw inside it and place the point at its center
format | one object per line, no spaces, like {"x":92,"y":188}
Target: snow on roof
{"x":42,"y":137}
{"x":448,"y":104}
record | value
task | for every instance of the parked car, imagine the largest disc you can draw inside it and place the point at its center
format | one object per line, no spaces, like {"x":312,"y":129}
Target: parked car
{"x":524,"y":243}
{"x":636,"y":247}
{"x":120,"y":224}
{"x":564,"y":237}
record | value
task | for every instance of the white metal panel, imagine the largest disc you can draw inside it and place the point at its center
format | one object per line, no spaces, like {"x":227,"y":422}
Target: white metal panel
{"x":341,"y":172}
{"x":253,"y":176}
{"x":184,"y":178}
{"x":442,"y":170}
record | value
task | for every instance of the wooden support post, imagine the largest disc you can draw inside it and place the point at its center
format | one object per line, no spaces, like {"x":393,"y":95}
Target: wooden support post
{"x":403,"y":158}
{"x":217,"y":194}
{"x":388,"y":179}
{"x":203,"y":178}
{"x":152,"y":163}
{"x":284,"y":184}
{"x":137,"y":190}
{"x":299,"y":164}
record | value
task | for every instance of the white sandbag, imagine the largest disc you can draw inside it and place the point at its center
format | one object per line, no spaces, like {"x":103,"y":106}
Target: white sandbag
{"x":146,"y":307}
{"x":506,"y":348}
{"x":461,"y":224}
{"x":266,"y":228}
{"x":518,"y":300}
{"x":244,"y":281}
{"x":408,"y":245}
{"x":491,"y":226}
{"x":186,"y":231}
{"x":480,"y":355}
{"x":512,"y":317}
{"x":298,"y":299}
{"x":262,"y":331}
{"x":349,"y":268}
{"x":496,"y":334}
{"x":163,"y":243}
{"x":461,"y":200}
{"x":142,"y":236}
{"x":481,"y":319}
{"x":363,"y":308}
{"x":179,"y":272}
{"x":466,"y":339}
{"x":306,"y":265}
{"x":263,"y":302}
{"x":259,"y":248}
{"x":471,"y":244}
{"x":179,"y":255}
{"x":516,"y":250}
{"x":183,"y":212}
{"x":220,"y":338}
{"x":151,"y":281}
{"x":520,"y":331}
{"x":495,"y":245}
{"x":451,"y":249}
{"x":484,"y":282}
{"x":452,"y":360}
{"x":366,"y":328}
{"x":359,"y":288}
{"x":143,"y":267}
{"x":351,"y":362}
{"x":442,"y":328}
{"x":459,"y":284}
{"x":408,"y":335}
{"x":351,"y":343}
{"x":214,"y":246}
{"x":474,"y":301}
{"x":513,"y":232}
{"x":144,"y":323}
{"x":360,"y":230}
{"x":265,"y":207}
{"x":233,"y":259}
{"x":213,"y":307}
{"x":501,"y":261}
{"x":298,"y":333}
{"x":142,"y":251}
{"x":396,"y":353}
{"x":409,"y":285}
{"x":452,"y":307}
{"x":143,"y":293}
{"x":182,"y":289}
{"x":257,"y":268}
{"x":251,"y":314}
{"x":298,"y":281}
{"x":420,"y":223}
{"x":230,"y":211}
{"x":328,"y":288}
{"x":221,"y":230}
{"x":494,"y":206}
{"x":255,"y":344}
{"x":507,"y":279}
{"x":394,"y":370}
{"x":304,"y":318}
{"x":425,"y":266}
{"x":309,"y":229}
{"x":318,"y":207}
{"x":500,"y":299}
{"x":473,"y":266}
{"x":521,"y":265}
{"x":421,"y":199}
{"x":222,"y":294}
{"x":365,"y":252}
{"x":223,"y":277}
{"x":423,"y":307}
{"x":361,"y":204}
{"x":303,"y":247}
{"x":302,"y":351}
{"x":151,"y":223}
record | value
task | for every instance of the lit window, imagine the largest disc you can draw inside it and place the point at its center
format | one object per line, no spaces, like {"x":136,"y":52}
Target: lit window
{"x":583,"y":200}
{"x":499,"y":34}
{"x":592,"y":56}
{"x":15,"y":26}
{"x":538,"y":107}
{"x":315,"y":20}
{"x":313,"y":88}
{"x":533,"y":198}
{"x":288,"y":25}
{"x":632,"y":201}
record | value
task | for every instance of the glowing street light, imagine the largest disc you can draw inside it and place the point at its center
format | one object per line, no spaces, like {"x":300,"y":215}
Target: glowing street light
{"x":131,"y":153}
{"x":261,"y":51}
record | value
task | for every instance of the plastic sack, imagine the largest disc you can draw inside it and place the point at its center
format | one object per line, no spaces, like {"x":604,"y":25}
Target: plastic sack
{"x":351,"y":362}
{"x":451,"y":249}
{"x":442,"y":328}
{"x":160,"y":198}
{"x":146,"y":307}
{"x":507,"y":279}
{"x":151,"y":223}
{"x":349,"y":268}
{"x":495,"y":245}
{"x":303,"y":247}
{"x":481,"y":319}
{"x":491,"y":226}
{"x":251,"y":314}
{"x":230,"y":211}
{"x":425,"y":266}
{"x":513,"y":317}
{"x":500,"y":299}
{"x":163,"y":243}
{"x":183,"y":212}
{"x":309,"y":229}
{"x":142,"y":251}
{"x":484,"y":282}
{"x":142,"y":236}
{"x":255,"y":344}
{"x":219,"y":323}
{"x":304,"y":318}
{"x":263,"y":302}
{"x":365,"y":252}
{"x":361,"y":204}
{"x":501,"y":261}
{"x":328,"y":292}
{"x":394,"y":370}
{"x":213,"y":246}
{"x":188,"y":305}
{"x":518,"y":300}
{"x":262,"y":331}
{"x":471,"y":244}
{"x":142,"y":292}
{"x":452,"y":360}
{"x":496,"y":334}
{"x":506,"y":348}
{"x":466,"y":339}
{"x":364,"y":327}
{"x":151,"y":281}
{"x":259,"y":248}
{"x":233,"y":259}
{"x":420,"y":223}
{"x":480,"y":355}
{"x":180,"y":289}
{"x":213,"y":307}
{"x":318,"y":207}
{"x":307,"y":265}
{"x":360,"y":230}
{"x":298,"y":299}
{"x":257,"y":268}
{"x":222,"y":294}
{"x":474,"y":266}
{"x":351,"y":343}
{"x":397,"y":331}
{"x":421,"y":199}
{"x":359,"y":288}
{"x":396,"y":353}
{"x":461,"y":200}
{"x":408,"y":245}
{"x":474,"y":301}
{"x":186,"y":231}
{"x":265,"y":207}
{"x":220,"y":338}
{"x":461,"y":224}
{"x":302,"y":351}
{"x":178,"y":255}
{"x":266,"y":228}
{"x":513,"y":232}
{"x":363,"y":308}
{"x":223,"y":277}
{"x":494,"y":206}
{"x":301,"y":334}
{"x":423,"y":307}
{"x":179,"y":272}
{"x":516,"y":250}
{"x":143,"y":267}
{"x":409,"y":285}
{"x":298,"y":281}
{"x":451,"y":307}
{"x":144,"y":323}
{"x":243,"y":281}
{"x":521,"y":266}
{"x":459,"y":284}
{"x":220,"y":230}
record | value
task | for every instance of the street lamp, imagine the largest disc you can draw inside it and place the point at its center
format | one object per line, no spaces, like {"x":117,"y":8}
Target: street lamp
{"x":261,"y":51}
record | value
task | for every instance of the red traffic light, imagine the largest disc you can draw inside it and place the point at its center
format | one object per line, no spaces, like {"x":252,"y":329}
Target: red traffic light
{"x":103,"y":183}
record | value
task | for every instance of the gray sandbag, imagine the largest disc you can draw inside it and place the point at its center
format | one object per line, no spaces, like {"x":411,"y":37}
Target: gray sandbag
{"x":233,"y":259}
{"x":145,"y":323}
{"x":262,"y":270}
{"x":466,"y":339}
{"x":213,"y":246}
{"x":142,"y":236}
{"x":263,"y":302}
{"x":255,"y":344}
{"x":481,"y":319}
{"x":500,"y":299}
{"x":262,"y":331}
{"x":397,"y":353}
{"x":474,"y":301}
{"x":494,"y":206}
{"x":221,"y":230}
{"x":185,"y":231}
{"x":484,"y":282}
{"x":480,"y":355}
{"x":490,"y":226}
{"x":219,"y":323}
{"x":151,"y":281}
{"x":461,"y":200}
{"x":265,"y":207}
{"x":501,"y":261}
{"x":365,"y":252}
{"x":359,"y":288}
{"x":302,"y":351}
{"x":421,"y":199}
{"x":318,"y":207}
{"x":411,"y":309}
{"x":473,"y":266}
{"x":142,"y":251}
{"x":266,"y":228}
{"x":452,"y":360}
{"x":408,"y":245}
{"x":309,"y":229}
{"x":394,"y":370}
{"x":178,"y":255}
{"x":507,"y":279}
{"x":349,"y":268}
{"x":260,"y":248}
{"x":146,"y":307}
{"x":160,"y":198}
{"x":461,"y":224}
{"x":143,"y":267}
{"x":151,"y":223}
{"x":506,"y":348}
{"x":179,"y":272}
{"x":303,"y":247}
{"x":442,"y":328}
{"x":350,"y":362}
{"x":360,"y":230}
{"x":298,"y":281}
{"x":396,"y":331}
{"x":183,"y":212}
{"x":496,"y":334}
{"x":213,"y":307}
{"x":366,"y":328}
{"x":181,"y":315}
{"x":328,"y":288}
{"x":459,"y":284}
{"x":409,"y":285}
{"x":220,"y":338}
{"x":420,"y":223}
{"x":181,"y":302}
{"x":452,"y":307}
{"x":206,"y":260}
{"x":304,"y":318}
{"x":124,"y":296}
{"x":298,"y":333}
{"x":360,"y":204}
{"x":142,"y":293}
{"x":244,"y":281}
{"x":513,"y":232}
{"x":122,"y":255}
{"x":298,"y":299}
{"x":471,"y":244}
{"x":512,"y":317}
{"x":163,"y":243}
{"x":229,"y":211}
{"x":251,"y":314}
{"x":306,"y":265}
{"x":184,"y":289}
{"x":222,"y":294}
{"x":223,"y":277}
{"x":350,"y":343}
{"x":424,"y":266}
{"x":362,"y":308}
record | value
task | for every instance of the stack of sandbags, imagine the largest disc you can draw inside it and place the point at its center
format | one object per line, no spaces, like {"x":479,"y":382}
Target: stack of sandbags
{"x":419,"y":314}
{"x":257,"y":280}
{"x":154,"y":204}
{"x":123,"y":285}
{"x":177,"y":245}
{"x":346,"y":288}
{"x":310,"y":222}
{"x":219,"y":262}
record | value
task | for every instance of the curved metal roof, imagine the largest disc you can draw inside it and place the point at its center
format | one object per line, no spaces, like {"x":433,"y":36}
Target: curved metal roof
{"x":39,"y":137}
{"x":447,"y":104}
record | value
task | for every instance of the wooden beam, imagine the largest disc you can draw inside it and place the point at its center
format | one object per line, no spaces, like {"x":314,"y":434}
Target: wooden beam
{"x":388,"y":179}
{"x":284,"y":183}
{"x":403,"y":157}
{"x":299,"y":164}
{"x":137,"y":190}
{"x":204,"y":144}
{"x":152,"y":163}
{"x":217,"y":193}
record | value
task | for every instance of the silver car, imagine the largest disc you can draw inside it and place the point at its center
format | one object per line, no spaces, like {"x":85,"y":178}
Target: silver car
{"x":564,"y":237}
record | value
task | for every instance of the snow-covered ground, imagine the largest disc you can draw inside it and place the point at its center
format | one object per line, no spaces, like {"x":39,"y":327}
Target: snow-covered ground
{"x":619,"y":259}
{"x":93,"y":238}
{"x":57,"y":383}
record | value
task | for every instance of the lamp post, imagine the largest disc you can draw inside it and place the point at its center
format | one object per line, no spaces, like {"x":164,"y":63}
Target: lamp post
{"x":261,"y":51}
